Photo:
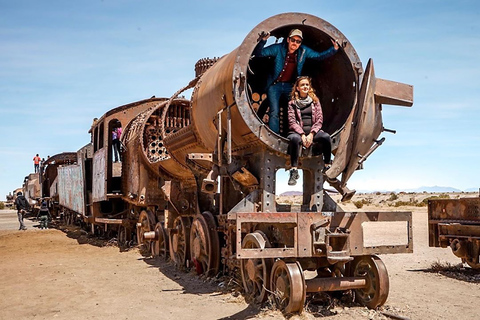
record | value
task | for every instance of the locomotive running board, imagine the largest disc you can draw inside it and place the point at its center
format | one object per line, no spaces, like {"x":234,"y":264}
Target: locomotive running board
{"x":368,"y":232}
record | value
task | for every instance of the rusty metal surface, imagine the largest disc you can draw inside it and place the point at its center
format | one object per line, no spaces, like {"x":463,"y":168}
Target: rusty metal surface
{"x":319,"y":32}
{"x":288,"y":286}
{"x":49,"y":189}
{"x":109,"y":221}
{"x":53,"y":191}
{"x":355,"y":220}
{"x":462,"y":209}
{"x":453,"y":218}
{"x":99,"y":188}
{"x":175,"y":151}
{"x":393,"y":93}
{"x":335,"y":235}
{"x":71,"y":188}
{"x":358,"y":139}
{"x":62,"y":158}
{"x":335,"y":284}
{"x":32,"y":189}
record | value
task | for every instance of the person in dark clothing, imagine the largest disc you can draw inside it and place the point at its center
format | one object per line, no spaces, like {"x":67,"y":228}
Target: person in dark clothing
{"x":289,"y":59}
{"x":305,"y":120}
{"x":43,"y":215}
{"x":116,"y":133}
{"x":22,"y":206}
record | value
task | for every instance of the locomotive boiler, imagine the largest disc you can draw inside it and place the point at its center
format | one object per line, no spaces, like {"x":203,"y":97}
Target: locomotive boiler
{"x":196,"y":181}
{"x":205,"y":169}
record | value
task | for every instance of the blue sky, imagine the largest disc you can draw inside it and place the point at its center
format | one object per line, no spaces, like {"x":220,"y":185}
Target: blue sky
{"x":63,"y":63}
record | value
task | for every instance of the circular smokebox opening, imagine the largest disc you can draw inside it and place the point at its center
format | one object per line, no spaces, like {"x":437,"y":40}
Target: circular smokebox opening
{"x":334,"y":79}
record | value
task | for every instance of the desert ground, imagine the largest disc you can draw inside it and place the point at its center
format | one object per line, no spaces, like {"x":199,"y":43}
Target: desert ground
{"x":61,"y":273}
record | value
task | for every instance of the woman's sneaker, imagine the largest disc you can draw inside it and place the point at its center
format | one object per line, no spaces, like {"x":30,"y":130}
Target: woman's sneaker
{"x":293,"y":177}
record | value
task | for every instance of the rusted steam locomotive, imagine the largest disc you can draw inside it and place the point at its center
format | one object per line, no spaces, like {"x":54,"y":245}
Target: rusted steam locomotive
{"x":196,"y":181}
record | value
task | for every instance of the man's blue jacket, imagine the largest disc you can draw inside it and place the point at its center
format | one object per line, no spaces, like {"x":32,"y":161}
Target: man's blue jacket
{"x":279,"y":51}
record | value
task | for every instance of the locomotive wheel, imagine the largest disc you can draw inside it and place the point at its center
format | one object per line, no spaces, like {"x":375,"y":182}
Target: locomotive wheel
{"x":179,"y":241}
{"x":215,"y":241}
{"x":473,"y":257}
{"x":472,"y":264}
{"x":256,"y":271}
{"x":160,"y":246}
{"x":145,"y":220}
{"x":288,"y":287}
{"x":204,"y":244}
{"x":123,"y":238}
{"x":375,"y":272}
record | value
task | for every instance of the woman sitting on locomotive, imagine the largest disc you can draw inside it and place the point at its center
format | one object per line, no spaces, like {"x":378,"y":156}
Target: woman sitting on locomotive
{"x":305,"y":119}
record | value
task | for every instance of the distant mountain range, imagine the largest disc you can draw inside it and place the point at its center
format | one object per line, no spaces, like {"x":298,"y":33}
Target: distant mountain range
{"x":429,"y":189}
{"x":471,"y":189}
{"x":292,"y":193}
{"x":433,"y":189}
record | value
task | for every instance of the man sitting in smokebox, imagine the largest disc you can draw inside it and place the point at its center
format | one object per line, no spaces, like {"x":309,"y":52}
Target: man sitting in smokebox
{"x":289,"y":58}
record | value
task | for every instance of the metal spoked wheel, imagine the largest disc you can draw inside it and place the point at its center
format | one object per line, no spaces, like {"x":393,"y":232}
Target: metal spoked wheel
{"x":160,"y":245}
{"x":256,"y":271}
{"x":204,"y":244}
{"x":123,"y":238}
{"x":179,"y":241}
{"x":374,"y":271}
{"x":287,"y":284}
{"x":145,"y":224}
{"x":214,"y":256}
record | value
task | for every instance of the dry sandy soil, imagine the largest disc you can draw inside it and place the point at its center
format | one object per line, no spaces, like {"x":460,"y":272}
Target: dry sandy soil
{"x":62,"y":274}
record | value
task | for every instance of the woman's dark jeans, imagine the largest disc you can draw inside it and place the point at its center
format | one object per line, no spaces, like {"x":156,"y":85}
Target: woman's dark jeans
{"x":321,"y":140}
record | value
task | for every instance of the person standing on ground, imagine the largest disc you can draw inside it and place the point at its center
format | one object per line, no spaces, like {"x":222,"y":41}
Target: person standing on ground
{"x":289,"y":58}
{"x":43,"y":215}
{"x":36,"y":163}
{"x":22,"y":207}
{"x":305,"y":120}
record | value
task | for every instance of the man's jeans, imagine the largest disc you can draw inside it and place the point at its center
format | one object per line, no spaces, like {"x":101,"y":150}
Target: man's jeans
{"x":20,"y":219}
{"x":274,"y":93}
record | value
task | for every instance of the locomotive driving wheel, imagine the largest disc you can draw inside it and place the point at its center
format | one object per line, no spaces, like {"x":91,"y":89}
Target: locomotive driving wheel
{"x":204,"y":244}
{"x":374,"y":271}
{"x":124,"y":237}
{"x":179,"y":241}
{"x":256,"y":271}
{"x":145,"y":224}
{"x":287,"y":284}
{"x":160,"y":245}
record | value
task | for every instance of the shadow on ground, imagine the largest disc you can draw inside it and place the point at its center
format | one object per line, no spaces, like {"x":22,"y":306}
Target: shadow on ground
{"x":82,"y":236}
{"x":458,"y":272}
{"x":321,"y":304}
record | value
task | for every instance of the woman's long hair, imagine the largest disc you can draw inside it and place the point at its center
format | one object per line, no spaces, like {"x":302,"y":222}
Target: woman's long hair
{"x":295,"y":95}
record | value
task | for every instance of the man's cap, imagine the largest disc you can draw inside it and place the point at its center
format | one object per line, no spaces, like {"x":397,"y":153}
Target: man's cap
{"x":296,"y":32}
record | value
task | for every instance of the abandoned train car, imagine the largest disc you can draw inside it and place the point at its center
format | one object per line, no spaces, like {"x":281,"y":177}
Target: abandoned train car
{"x":195,"y":181}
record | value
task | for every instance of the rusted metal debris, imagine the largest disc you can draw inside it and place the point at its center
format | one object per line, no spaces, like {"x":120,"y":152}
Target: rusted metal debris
{"x":455,"y":223}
